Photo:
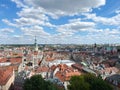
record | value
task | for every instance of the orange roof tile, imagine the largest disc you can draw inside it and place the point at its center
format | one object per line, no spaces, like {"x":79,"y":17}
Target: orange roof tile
{"x":42,"y":69}
{"x":66,"y":72}
{"x":5,"y":74}
{"x":13,"y":60}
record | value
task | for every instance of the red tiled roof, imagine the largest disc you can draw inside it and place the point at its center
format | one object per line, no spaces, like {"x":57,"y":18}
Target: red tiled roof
{"x":60,"y":76}
{"x":5,"y":74}
{"x":42,"y":69}
{"x":15,"y":67}
{"x":2,"y":60}
{"x":66,"y":72}
{"x":13,"y":60}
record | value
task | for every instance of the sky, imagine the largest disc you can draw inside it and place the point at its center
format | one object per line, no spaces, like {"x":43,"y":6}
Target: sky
{"x":60,"y":21}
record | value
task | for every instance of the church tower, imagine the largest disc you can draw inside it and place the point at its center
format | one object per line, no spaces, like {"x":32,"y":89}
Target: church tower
{"x":36,"y":45}
{"x":35,"y":53}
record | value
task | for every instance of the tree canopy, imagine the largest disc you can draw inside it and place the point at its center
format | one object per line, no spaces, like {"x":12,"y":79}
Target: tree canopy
{"x":38,"y":83}
{"x":78,"y":83}
{"x":88,"y":82}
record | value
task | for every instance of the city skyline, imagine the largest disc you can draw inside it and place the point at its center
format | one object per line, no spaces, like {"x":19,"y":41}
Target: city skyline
{"x":59,"y":22}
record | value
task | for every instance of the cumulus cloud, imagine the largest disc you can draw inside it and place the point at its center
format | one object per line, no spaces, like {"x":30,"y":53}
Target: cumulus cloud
{"x":19,"y":3}
{"x":75,"y":25}
{"x":6,"y":30}
{"x":28,"y":17}
{"x":34,"y":31}
{"x":57,"y":8}
{"x":104,"y":20}
{"x":106,"y":36}
{"x":35,"y":16}
{"x":31,"y":12}
{"x":6,"y":21}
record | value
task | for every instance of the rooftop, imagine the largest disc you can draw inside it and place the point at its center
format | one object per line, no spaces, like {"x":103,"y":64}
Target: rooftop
{"x":5,"y":74}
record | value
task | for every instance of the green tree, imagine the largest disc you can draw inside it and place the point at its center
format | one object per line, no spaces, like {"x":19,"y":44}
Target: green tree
{"x":88,"y":82}
{"x":38,"y":83}
{"x":97,"y":83}
{"x":78,"y":83}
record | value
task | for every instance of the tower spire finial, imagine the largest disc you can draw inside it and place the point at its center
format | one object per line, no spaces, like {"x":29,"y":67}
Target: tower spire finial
{"x":35,"y":40}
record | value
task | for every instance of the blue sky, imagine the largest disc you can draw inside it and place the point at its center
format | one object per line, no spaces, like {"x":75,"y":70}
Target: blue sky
{"x":59,"y":21}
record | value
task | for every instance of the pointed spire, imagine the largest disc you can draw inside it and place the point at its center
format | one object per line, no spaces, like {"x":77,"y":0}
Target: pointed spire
{"x":35,"y":40}
{"x":36,"y":45}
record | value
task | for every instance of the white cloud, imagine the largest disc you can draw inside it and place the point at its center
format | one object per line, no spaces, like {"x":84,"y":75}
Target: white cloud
{"x":29,"y":16}
{"x":6,"y":30}
{"x":9,"y":23}
{"x":34,"y":31}
{"x":19,"y":3}
{"x":117,"y":11}
{"x":57,"y":8}
{"x":75,"y":25}
{"x":31,"y":12}
{"x":34,"y":15}
{"x":104,"y":20}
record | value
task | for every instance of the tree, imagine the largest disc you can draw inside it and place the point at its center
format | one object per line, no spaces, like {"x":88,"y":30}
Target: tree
{"x":88,"y":82}
{"x":36,"y":82}
{"x":78,"y":83}
{"x":97,"y":83}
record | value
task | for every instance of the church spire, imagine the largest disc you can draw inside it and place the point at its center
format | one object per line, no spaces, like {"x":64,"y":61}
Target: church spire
{"x":36,"y":45}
